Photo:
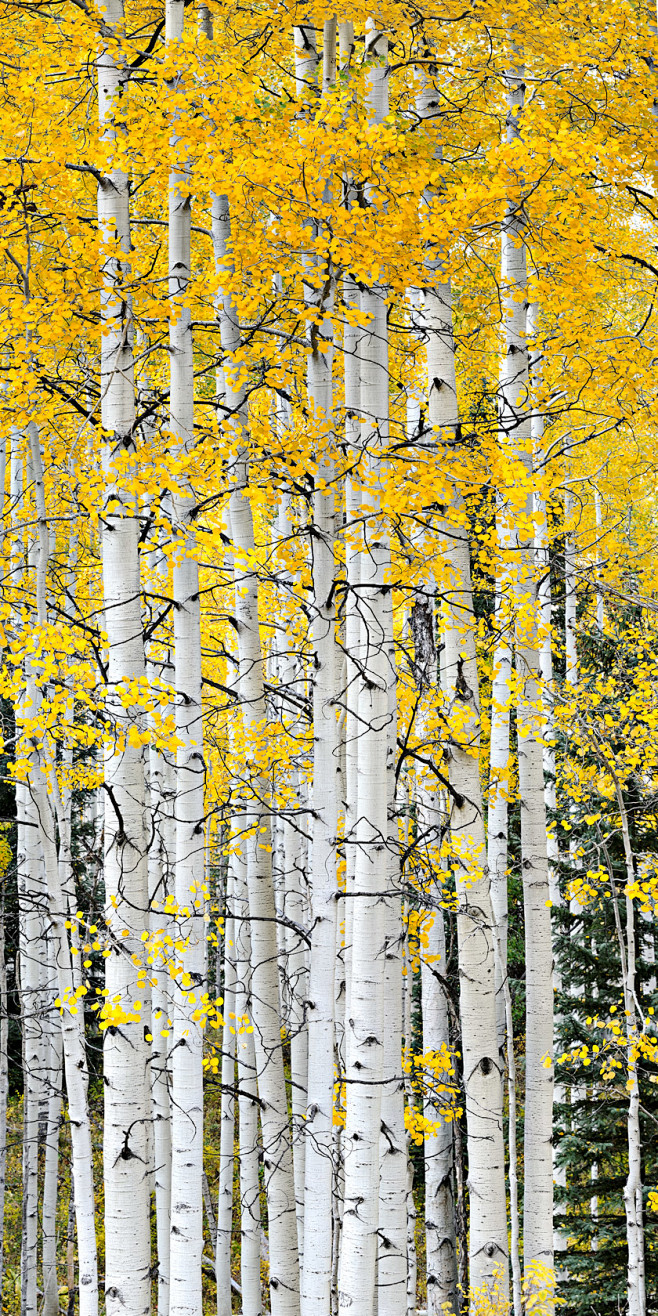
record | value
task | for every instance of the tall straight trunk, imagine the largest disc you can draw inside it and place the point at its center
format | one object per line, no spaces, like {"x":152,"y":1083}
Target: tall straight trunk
{"x":365,"y":1015}
{"x":75,"y":1061}
{"x":392,"y":1252}
{"x":475,"y":926}
{"x":515,"y":423}
{"x":295,"y":904}
{"x":351,"y":633}
{"x":51,"y":1164}
{"x":160,"y":869}
{"x":125,"y":1137}
{"x":499,"y":761}
{"x":441,"y":1244}
{"x":431,"y":813}
{"x":633,"y":1191}
{"x":545,"y":608}
{"x":31,"y":940}
{"x":250,"y":1227}
{"x":227,"y":1117}
{"x":186,"y":1245}
{"x":318,"y":1176}
{"x":277,"y":1149}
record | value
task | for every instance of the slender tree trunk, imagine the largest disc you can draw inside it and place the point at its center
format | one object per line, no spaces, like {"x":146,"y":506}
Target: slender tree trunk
{"x":51,"y":1168}
{"x":74,"y":1053}
{"x":633,"y":1193}
{"x":161,"y":925}
{"x":515,"y":423}
{"x":545,"y":608}
{"x":247,"y":1087}
{"x":31,"y":930}
{"x":392,"y":1254}
{"x":318,"y":1174}
{"x":125,"y":1138}
{"x":431,"y":819}
{"x":481,"y":1066}
{"x":277,"y":1149}
{"x":186,"y":1245}
{"x":227,"y":1118}
{"x":365,"y":1017}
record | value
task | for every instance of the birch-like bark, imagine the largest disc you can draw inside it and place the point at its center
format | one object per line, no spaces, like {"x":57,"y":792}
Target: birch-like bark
{"x":250,"y":1228}
{"x":318,"y":1175}
{"x":186,"y":1243}
{"x":515,"y":424}
{"x":161,"y":925}
{"x":265,"y":1016}
{"x":633,"y":1192}
{"x":481,"y":1066}
{"x":75,"y":1059}
{"x":227,"y":1117}
{"x":295,"y":887}
{"x":392,"y":1232}
{"x":440,"y":1238}
{"x":545,"y":606}
{"x":365,"y":1021}
{"x":31,"y":901}
{"x":125,"y":1137}
{"x":50,"y":1306}
{"x":499,"y":758}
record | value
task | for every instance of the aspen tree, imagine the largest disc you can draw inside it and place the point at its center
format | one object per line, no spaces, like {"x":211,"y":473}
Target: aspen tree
{"x":545,"y":611}
{"x":392,"y":1255}
{"x":31,"y":932}
{"x":295,"y":906}
{"x":515,"y":422}
{"x":365,"y":1017}
{"x":250,"y":1226}
{"x":440,"y":1241}
{"x":51,"y":1157}
{"x":475,"y":920}
{"x":633,"y":1195}
{"x":68,"y":1043}
{"x":318,"y":1128}
{"x":227,"y":1117}
{"x":277,"y":1150}
{"x":482,"y":1076}
{"x":125,"y":1050}
{"x":161,"y":792}
{"x":186,"y":1245}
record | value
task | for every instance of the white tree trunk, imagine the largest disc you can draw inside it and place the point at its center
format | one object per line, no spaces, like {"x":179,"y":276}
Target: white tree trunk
{"x":318,"y":1174}
{"x":515,"y":424}
{"x":365,"y":1010}
{"x":75,"y":1059}
{"x":481,"y":1066}
{"x":277,"y":1150}
{"x":250,"y":1229}
{"x":125,"y":1138}
{"x":432,"y":818}
{"x":392,"y":1253}
{"x":227,"y":1118}
{"x":186,"y":1246}
{"x":545,"y":607}
{"x":31,"y":930}
{"x":50,"y":1305}
{"x":439,"y":1202}
{"x":633,"y":1194}
{"x":161,"y":924}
